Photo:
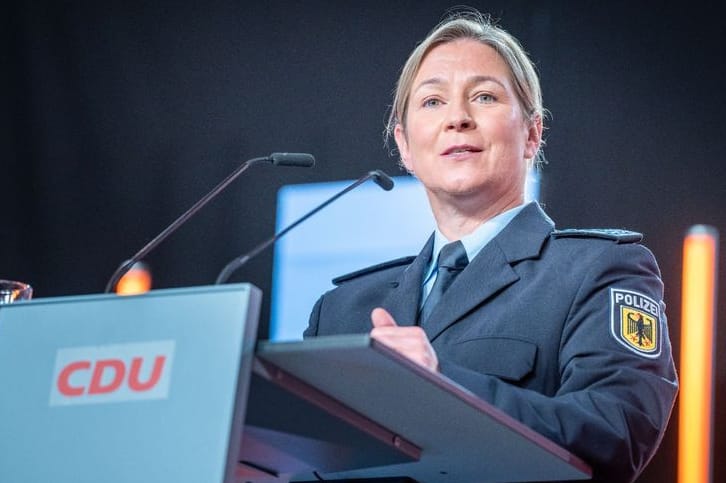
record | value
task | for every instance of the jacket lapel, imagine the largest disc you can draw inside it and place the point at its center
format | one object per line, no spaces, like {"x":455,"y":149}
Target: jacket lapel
{"x":404,"y":299}
{"x":491,"y":270}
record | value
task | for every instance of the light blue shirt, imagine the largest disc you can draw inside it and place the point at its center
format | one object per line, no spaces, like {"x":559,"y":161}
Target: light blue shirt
{"x":473,"y":243}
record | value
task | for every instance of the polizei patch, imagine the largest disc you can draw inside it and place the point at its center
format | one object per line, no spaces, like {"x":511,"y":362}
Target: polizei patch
{"x":635,"y":321}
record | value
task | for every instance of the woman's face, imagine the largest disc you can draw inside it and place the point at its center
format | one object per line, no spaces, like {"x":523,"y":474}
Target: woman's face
{"x":466,"y":138}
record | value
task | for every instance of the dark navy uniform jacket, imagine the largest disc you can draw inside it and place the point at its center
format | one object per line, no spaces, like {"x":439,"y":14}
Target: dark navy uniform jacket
{"x":534,"y":325}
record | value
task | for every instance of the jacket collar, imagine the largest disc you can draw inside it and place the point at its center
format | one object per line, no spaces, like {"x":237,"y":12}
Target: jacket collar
{"x":489,"y":272}
{"x":404,"y":300}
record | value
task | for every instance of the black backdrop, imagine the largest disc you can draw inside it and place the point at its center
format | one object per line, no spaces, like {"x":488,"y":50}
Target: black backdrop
{"x":117,"y":116}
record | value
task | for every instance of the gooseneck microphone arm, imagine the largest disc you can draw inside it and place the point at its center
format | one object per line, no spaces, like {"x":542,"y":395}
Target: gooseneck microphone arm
{"x":277,"y":159}
{"x":380,"y":178}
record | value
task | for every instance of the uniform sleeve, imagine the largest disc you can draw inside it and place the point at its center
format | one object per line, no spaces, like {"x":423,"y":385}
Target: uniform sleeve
{"x":312,"y":329}
{"x":615,"y":398}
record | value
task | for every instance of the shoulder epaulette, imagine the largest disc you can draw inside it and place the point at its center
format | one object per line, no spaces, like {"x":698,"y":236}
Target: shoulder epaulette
{"x":617,"y":235}
{"x":372,"y":269}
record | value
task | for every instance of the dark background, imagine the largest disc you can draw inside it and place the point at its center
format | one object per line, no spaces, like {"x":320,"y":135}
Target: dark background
{"x":118,"y":116}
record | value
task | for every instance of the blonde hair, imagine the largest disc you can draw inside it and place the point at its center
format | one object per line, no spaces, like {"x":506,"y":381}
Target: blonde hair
{"x":473,"y":25}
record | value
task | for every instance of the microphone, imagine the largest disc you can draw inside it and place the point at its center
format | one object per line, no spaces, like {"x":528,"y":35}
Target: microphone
{"x":302,"y":160}
{"x":378,"y":176}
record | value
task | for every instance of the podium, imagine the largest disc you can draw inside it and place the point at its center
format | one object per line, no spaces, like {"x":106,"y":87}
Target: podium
{"x":172,"y":386}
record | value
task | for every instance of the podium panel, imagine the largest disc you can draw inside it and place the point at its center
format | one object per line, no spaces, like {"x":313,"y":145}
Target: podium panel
{"x":165,"y":386}
{"x":142,"y":388}
{"x":292,"y":428}
{"x":463,"y":438}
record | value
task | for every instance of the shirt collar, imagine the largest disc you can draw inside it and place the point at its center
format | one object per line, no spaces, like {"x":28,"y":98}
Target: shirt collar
{"x":474,"y":241}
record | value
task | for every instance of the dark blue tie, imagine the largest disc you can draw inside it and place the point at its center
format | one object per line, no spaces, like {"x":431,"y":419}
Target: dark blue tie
{"x":452,"y":260}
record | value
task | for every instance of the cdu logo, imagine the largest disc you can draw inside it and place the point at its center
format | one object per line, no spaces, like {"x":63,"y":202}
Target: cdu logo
{"x":112,"y":373}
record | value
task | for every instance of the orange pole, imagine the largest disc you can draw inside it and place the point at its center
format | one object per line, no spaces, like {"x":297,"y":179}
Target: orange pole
{"x":698,"y":335}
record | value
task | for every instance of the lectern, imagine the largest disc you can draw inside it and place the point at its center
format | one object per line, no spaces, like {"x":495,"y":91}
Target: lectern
{"x":168,"y":386}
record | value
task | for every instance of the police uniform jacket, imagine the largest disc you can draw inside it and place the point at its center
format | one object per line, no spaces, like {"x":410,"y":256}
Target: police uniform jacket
{"x":535,"y":326}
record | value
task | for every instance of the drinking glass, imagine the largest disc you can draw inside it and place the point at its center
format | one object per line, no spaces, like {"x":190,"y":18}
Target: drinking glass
{"x":12,"y":291}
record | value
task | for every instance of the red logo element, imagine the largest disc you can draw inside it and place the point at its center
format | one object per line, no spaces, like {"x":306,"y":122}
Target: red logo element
{"x":100,"y":372}
{"x":112,"y":373}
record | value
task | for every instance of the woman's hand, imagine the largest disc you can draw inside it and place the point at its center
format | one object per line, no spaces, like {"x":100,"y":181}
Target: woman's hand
{"x":409,"y":341}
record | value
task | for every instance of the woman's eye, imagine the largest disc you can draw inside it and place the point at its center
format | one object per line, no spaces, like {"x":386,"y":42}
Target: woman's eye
{"x":485,"y":98}
{"x":431,"y":103}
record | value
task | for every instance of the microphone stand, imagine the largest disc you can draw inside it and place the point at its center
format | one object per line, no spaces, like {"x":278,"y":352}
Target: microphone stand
{"x":381,"y":179}
{"x":281,"y":159}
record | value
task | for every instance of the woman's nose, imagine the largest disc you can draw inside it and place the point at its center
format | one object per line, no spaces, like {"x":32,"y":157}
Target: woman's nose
{"x":460,"y":119}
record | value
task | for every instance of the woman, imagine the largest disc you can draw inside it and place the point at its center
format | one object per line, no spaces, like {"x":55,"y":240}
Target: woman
{"x":536,"y":321}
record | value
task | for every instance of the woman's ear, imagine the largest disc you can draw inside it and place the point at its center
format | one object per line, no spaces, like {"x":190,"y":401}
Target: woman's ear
{"x":534,"y":138}
{"x":400,"y":136}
